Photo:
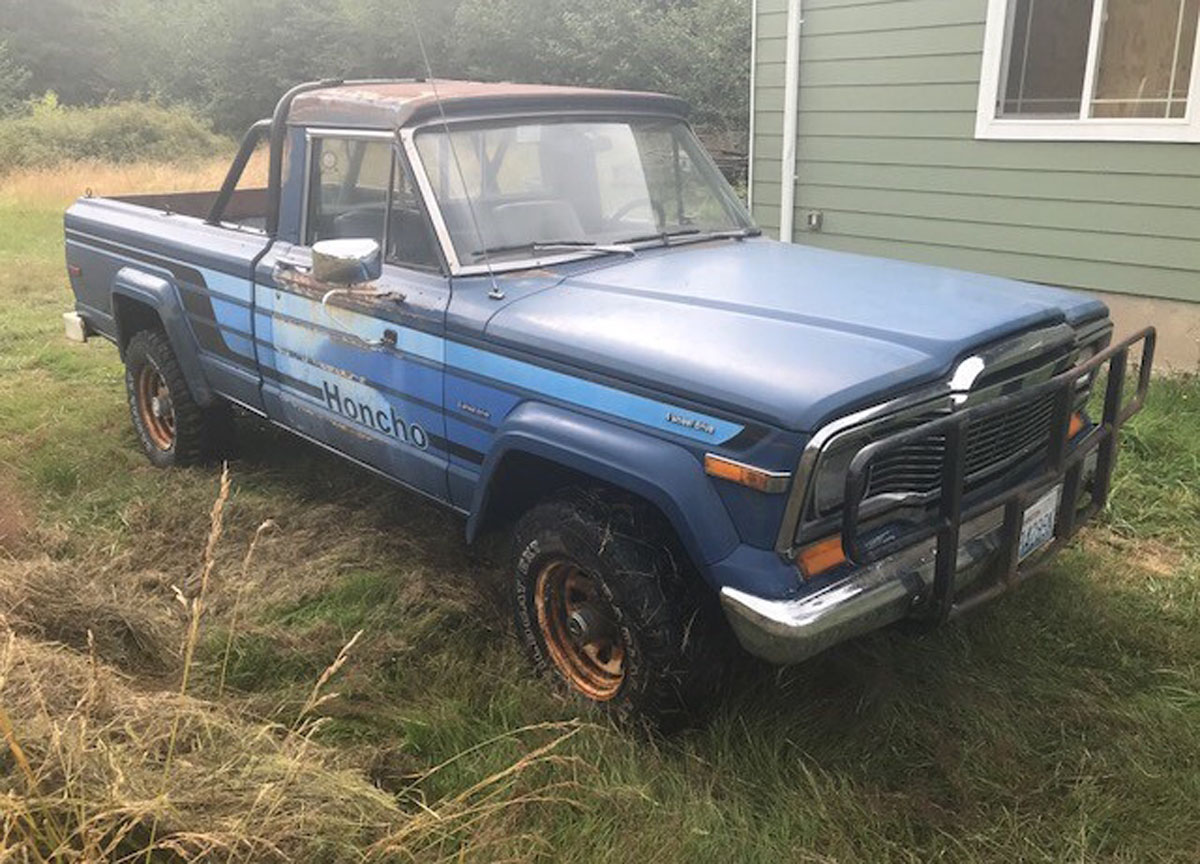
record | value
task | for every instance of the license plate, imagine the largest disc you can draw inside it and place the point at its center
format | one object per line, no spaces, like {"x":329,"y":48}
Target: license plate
{"x":1037,"y":527}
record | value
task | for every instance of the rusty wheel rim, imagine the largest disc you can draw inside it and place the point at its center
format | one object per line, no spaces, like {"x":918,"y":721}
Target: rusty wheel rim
{"x":579,"y":629}
{"x":155,"y":407}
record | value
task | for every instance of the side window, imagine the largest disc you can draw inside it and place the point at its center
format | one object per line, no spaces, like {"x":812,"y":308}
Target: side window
{"x":348,"y":188}
{"x":411,"y":242}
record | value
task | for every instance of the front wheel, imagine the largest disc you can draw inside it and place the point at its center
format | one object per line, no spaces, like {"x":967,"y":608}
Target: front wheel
{"x":605,"y":606}
{"x":172,"y":428}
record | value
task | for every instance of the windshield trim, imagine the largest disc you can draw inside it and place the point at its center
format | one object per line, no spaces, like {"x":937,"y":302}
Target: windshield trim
{"x":433,"y":207}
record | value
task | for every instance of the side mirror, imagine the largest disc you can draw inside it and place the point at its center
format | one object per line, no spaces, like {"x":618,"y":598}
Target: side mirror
{"x":350,"y":261}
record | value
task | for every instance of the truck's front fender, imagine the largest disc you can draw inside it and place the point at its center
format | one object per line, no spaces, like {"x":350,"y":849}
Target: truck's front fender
{"x":665,"y":474}
{"x":160,"y":295}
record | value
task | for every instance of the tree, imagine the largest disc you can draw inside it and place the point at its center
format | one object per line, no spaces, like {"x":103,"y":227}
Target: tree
{"x":230,"y":59}
{"x":61,"y":43}
{"x":14,"y":79}
{"x":698,"y":50}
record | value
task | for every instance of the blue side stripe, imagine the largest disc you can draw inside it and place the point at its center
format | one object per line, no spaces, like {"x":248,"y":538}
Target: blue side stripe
{"x":218,"y":282}
{"x":231,"y":315}
{"x":237,"y":343}
{"x":488,"y":403}
{"x":226,"y":284}
{"x":469,"y":436}
{"x":590,"y":394}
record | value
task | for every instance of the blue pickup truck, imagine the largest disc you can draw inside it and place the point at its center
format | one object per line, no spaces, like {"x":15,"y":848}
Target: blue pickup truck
{"x":545,"y":309}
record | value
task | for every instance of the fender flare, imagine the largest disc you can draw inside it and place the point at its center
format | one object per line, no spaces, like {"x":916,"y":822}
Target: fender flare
{"x":663,"y":473}
{"x":161,"y":295}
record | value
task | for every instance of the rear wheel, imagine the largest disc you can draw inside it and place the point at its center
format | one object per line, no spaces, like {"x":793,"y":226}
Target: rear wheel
{"x":172,"y":428}
{"x":606,"y":606}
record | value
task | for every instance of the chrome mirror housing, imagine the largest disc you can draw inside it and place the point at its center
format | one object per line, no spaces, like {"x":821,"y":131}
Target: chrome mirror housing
{"x":349,"y":261}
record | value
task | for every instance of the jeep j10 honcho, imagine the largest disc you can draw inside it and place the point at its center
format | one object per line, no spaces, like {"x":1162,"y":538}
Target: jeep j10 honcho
{"x":544,"y":308}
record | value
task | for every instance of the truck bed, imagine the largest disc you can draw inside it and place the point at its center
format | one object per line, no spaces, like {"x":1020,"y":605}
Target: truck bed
{"x":162,"y":237}
{"x":247,"y":208}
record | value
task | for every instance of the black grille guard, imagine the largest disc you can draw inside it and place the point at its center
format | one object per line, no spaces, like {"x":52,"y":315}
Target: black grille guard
{"x":1062,"y":458}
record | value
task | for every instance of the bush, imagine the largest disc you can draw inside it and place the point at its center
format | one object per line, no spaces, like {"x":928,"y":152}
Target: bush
{"x":47,"y":134}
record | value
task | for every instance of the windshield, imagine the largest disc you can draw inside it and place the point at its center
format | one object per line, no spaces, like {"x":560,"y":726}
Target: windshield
{"x":506,"y":189}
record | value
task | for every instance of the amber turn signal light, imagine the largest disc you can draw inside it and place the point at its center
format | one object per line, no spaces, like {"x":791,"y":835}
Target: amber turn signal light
{"x":815,"y":559}
{"x":746,"y":475}
{"x":1076,"y":425}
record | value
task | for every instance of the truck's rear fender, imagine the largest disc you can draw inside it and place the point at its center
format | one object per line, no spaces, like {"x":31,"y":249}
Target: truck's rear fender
{"x":540,"y":446}
{"x":141,"y":300}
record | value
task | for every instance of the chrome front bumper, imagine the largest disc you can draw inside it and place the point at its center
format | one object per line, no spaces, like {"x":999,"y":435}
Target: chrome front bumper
{"x":789,"y":631}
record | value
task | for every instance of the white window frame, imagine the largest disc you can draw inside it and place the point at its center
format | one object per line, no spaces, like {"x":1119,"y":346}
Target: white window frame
{"x":1082,"y":128}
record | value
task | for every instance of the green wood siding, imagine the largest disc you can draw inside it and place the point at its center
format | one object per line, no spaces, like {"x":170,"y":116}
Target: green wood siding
{"x":887,"y":152}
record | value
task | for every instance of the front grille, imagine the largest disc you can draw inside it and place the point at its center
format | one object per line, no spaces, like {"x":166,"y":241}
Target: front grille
{"x":993,"y":444}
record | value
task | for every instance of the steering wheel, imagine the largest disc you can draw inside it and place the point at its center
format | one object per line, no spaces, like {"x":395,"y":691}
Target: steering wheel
{"x":628,"y":207}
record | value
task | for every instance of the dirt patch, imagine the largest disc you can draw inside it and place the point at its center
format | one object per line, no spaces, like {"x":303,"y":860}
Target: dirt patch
{"x":15,"y":520}
{"x":1153,"y":556}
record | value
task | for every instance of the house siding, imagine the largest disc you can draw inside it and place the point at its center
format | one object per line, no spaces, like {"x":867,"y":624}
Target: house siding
{"x":886,"y":151}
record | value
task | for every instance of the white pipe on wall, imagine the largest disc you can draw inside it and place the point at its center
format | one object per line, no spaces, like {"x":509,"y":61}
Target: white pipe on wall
{"x":791,"y":110}
{"x":750,"y":128}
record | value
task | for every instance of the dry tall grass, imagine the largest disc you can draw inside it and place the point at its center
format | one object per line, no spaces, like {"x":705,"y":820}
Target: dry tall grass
{"x":98,"y":768}
{"x":57,"y":187}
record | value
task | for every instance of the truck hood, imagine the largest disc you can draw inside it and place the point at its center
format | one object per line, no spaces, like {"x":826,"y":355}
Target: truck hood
{"x":789,"y":335}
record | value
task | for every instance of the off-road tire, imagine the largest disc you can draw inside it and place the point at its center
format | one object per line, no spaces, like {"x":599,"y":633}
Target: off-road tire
{"x":194,"y":434}
{"x":661,"y":612}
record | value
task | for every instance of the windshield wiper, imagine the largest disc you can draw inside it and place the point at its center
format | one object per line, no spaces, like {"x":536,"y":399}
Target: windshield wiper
{"x":665,"y":236}
{"x":736,"y":234}
{"x":695,"y":235}
{"x":552,"y":245}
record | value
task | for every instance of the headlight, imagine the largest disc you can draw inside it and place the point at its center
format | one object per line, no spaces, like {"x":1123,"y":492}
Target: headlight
{"x":831,"y":476}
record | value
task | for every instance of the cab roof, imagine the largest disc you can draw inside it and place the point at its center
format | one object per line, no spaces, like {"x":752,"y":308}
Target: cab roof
{"x":398,"y":104}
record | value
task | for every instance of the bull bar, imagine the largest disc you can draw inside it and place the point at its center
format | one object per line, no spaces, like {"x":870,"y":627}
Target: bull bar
{"x":923,"y":573}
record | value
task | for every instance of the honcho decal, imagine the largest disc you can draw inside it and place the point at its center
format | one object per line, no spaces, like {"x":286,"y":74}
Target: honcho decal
{"x":371,"y":415}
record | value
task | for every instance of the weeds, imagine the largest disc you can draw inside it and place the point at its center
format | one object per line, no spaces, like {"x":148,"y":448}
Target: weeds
{"x":243,"y":584}
{"x":104,"y":772}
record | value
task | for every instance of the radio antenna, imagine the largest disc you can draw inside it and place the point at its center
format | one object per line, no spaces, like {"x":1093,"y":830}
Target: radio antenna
{"x":495,"y":293}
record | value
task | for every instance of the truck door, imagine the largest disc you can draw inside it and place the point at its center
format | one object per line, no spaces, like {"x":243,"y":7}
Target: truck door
{"x":359,"y":371}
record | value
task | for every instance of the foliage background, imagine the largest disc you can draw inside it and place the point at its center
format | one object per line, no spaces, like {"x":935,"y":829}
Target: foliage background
{"x":227,"y":61}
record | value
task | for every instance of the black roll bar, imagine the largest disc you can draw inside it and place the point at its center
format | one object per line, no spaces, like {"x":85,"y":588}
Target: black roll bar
{"x":245,"y":150}
{"x":278,"y":124}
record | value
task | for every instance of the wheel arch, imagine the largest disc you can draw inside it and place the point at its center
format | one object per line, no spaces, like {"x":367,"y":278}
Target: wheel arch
{"x":143,"y":301}
{"x":541,"y":447}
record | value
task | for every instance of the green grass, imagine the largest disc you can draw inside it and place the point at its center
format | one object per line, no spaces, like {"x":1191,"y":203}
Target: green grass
{"x":1060,"y":724}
